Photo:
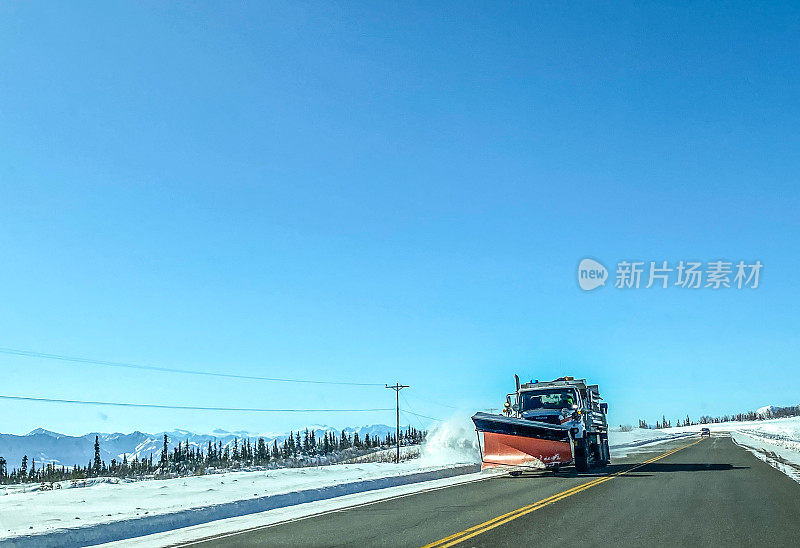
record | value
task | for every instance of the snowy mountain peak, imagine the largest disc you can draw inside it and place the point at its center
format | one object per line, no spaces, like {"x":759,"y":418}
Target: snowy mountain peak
{"x":42,"y":431}
{"x":766,"y":411}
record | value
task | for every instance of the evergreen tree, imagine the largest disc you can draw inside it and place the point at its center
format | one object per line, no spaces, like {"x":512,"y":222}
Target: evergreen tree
{"x":164,"y":454}
{"x":261,"y":451}
{"x":98,"y":464}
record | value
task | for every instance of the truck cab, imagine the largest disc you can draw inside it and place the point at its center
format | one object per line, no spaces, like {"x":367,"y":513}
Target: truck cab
{"x":571,"y":403}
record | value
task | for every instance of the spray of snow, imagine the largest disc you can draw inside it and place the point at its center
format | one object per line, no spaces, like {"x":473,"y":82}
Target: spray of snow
{"x":451,"y":442}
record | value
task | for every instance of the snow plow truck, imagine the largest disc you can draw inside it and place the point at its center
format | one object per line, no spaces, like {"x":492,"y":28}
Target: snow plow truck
{"x":556,"y":423}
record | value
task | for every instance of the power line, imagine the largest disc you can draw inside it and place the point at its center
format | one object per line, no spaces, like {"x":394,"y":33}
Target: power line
{"x":31,"y":354}
{"x":411,"y":412}
{"x":191,"y":407}
{"x":416,"y":414}
{"x":409,"y":419}
{"x":409,"y":406}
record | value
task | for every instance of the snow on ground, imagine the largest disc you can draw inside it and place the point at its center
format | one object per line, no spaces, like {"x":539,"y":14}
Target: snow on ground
{"x":782,"y":453}
{"x":788,"y":426}
{"x":25,"y":510}
{"x":407,"y":452}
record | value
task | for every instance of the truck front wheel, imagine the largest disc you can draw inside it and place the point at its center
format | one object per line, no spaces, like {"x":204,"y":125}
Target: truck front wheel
{"x":581,"y":455}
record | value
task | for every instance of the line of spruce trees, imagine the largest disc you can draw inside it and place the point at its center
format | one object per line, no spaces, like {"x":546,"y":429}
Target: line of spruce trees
{"x":772,"y":413}
{"x":186,"y":459}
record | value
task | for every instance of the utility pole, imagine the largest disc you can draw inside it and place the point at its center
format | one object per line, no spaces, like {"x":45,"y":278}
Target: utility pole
{"x":397,"y":387}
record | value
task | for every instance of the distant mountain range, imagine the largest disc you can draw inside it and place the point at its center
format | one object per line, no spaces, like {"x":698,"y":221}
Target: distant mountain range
{"x":45,"y":446}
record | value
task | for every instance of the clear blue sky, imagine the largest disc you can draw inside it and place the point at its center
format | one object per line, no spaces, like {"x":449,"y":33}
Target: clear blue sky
{"x":380,"y":192}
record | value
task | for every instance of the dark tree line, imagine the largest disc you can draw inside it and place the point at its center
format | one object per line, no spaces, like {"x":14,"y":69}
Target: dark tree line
{"x":185,"y":459}
{"x":771,"y":413}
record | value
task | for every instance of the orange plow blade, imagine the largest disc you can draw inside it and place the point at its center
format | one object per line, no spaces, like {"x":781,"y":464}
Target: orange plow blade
{"x":509,"y":441}
{"x":503,"y":449}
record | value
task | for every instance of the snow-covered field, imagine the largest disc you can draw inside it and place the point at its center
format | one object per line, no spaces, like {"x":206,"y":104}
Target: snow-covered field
{"x":27,"y":510}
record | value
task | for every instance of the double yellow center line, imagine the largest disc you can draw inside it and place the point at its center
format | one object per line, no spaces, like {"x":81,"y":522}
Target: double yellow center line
{"x":519,"y":512}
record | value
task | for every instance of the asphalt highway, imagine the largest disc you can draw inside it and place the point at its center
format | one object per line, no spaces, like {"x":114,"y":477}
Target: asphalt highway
{"x":691,"y":492}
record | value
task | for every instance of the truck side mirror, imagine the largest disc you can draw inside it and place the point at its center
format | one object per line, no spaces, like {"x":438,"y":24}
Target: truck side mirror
{"x":604,"y":408}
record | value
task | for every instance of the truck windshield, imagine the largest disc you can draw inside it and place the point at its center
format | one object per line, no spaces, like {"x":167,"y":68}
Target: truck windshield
{"x":555,"y":398}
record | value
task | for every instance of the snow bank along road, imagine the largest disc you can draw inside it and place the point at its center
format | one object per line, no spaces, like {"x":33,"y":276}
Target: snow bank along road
{"x":185,"y":507}
{"x":688,"y":492}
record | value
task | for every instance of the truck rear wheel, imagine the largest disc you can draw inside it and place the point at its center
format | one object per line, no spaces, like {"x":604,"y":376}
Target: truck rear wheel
{"x":604,"y":450}
{"x":581,"y":455}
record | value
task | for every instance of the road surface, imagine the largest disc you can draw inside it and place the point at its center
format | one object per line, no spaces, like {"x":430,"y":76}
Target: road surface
{"x":692,"y":492}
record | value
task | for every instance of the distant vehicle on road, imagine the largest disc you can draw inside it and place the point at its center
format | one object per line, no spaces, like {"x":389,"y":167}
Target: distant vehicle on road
{"x":705,"y":432}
